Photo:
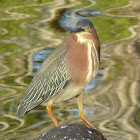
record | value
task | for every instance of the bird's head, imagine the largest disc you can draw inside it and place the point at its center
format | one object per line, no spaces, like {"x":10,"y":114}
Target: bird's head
{"x":83,"y":25}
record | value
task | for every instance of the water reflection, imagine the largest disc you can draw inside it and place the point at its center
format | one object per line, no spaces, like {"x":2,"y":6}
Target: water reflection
{"x":29,"y":33}
{"x":69,"y":18}
{"x":38,"y":58}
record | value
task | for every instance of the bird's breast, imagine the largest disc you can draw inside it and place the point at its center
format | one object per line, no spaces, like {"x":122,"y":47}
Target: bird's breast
{"x":81,"y":59}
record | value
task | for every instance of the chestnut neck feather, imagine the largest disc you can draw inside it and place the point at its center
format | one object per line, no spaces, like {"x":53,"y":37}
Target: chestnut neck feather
{"x":77,"y":59}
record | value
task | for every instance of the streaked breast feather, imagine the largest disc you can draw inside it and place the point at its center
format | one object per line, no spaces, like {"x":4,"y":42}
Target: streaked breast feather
{"x":92,"y":56}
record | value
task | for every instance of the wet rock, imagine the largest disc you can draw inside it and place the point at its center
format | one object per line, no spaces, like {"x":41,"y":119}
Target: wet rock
{"x":69,"y":132}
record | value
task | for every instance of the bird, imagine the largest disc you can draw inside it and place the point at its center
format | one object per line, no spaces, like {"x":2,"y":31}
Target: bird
{"x":65,"y":73}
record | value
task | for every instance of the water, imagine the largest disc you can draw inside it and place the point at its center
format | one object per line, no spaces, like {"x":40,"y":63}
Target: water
{"x":30,"y":30}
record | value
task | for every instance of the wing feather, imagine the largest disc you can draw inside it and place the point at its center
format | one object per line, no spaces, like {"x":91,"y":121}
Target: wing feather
{"x":49,"y":80}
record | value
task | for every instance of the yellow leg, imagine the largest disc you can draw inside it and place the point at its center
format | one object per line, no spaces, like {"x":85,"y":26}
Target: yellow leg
{"x":80,"y":105}
{"x":49,"y":110}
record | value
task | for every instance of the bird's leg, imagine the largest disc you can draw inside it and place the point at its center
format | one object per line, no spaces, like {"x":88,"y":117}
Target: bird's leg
{"x":80,"y":105}
{"x":49,"y":110}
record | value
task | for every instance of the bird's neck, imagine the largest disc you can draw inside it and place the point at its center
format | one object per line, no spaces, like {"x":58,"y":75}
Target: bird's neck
{"x":89,"y":38}
{"x":83,"y":37}
{"x":94,"y":33}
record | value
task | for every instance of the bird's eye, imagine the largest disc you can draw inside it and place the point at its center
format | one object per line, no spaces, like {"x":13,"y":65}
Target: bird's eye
{"x":88,"y":27}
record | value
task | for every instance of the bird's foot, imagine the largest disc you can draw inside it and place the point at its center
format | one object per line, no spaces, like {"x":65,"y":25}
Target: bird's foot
{"x":101,"y":136}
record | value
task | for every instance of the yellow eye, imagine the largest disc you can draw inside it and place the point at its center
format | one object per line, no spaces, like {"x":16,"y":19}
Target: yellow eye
{"x":88,"y":27}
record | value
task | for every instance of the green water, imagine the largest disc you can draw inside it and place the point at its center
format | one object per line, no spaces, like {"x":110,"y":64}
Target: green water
{"x":29,"y":31}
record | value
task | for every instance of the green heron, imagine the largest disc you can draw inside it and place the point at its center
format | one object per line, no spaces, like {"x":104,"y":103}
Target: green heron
{"x":66,"y":72}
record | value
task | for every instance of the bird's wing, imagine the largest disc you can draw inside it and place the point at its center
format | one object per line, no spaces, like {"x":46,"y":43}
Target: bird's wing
{"x":49,"y":80}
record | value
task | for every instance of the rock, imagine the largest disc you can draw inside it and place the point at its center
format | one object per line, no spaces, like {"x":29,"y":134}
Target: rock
{"x":69,"y":132}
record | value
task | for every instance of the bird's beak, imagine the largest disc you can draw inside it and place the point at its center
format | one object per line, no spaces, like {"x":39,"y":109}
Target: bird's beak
{"x":77,"y":29}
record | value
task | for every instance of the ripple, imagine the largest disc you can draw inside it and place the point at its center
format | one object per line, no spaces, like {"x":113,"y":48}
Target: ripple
{"x":3,"y":126}
{"x":111,"y":99}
